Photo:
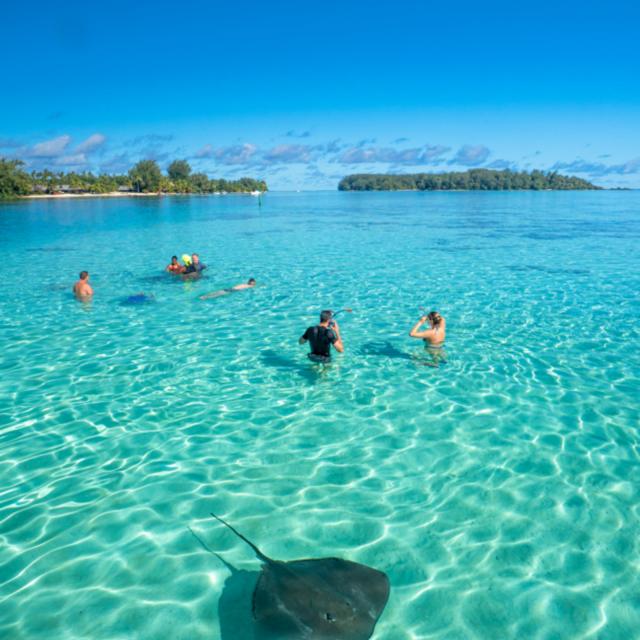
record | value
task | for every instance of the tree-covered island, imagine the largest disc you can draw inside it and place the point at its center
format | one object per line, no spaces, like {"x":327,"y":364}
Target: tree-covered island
{"x":144,"y":177}
{"x":472,"y":180}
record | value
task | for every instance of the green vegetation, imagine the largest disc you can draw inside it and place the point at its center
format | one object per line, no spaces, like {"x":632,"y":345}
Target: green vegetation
{"x":474,"y":179}
{"x":144,"y":177}
{"x":13,"y":180}
{"x":179,"y":170}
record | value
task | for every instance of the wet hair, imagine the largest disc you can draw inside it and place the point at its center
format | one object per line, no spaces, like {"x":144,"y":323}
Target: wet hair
{"x":326,"y":315}
{"x":174,"y":258}
{"x":84,"y":275}
{"x":435,"y":317}
{"x":195,"y":255}
{"x":251,"y":281}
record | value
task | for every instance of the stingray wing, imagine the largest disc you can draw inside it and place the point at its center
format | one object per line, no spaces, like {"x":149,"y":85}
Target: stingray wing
{"x":277,"y":606}
{"x":365,"y":588}
{"x":320,"y":598}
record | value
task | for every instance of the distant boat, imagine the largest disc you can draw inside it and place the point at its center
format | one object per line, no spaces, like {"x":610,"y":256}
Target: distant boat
{"x":256,"y":193}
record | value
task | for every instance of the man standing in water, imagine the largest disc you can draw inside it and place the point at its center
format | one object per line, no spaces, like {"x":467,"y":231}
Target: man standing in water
{"x":321,"y":337}
{"x":82,"y":289}
{"x":196,"y":267}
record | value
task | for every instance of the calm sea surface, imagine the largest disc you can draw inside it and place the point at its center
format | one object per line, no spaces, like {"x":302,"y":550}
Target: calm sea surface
{"x":500,"y":492}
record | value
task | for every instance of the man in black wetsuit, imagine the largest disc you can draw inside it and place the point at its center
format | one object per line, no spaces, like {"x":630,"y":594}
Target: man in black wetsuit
{"x":321,"y":337}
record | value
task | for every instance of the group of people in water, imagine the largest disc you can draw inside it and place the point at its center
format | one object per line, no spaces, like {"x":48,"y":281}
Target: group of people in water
{"x":192,"y":265}
{"x":431,"y":328}
{"x":326,"y":334}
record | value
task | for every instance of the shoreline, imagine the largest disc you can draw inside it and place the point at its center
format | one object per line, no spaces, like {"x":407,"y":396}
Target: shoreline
{"x":132,"y":194}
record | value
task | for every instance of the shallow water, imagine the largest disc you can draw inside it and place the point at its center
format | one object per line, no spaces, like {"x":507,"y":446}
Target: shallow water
{"x":500,"y":491}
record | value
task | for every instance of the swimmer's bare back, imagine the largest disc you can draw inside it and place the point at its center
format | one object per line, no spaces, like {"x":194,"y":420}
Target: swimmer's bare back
{"x":435,"y":335}
{"x":82,"y":290}
{"x":224,"y":292}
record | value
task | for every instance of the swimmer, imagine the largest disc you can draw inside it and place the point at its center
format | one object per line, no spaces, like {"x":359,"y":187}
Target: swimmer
{"x":433,"y":337}
{"x":224,"y":292}
{"x":196,"y":267}
{"x":82,"y":289}
{"x":321,"y":337}
{"x":175,"y":266}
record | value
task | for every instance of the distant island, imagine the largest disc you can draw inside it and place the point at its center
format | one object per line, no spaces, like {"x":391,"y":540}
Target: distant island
{"x":144,"y":178}
{"x":472,"y":180}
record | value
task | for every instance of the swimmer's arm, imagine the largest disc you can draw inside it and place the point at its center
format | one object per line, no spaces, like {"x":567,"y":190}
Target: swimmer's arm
{"x":302,"y":340}
{"x":416,"y":333}
{"x":337,"y":343}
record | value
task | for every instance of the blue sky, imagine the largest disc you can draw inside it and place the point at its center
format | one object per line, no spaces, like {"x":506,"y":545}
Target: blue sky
{"x":302,"y":94}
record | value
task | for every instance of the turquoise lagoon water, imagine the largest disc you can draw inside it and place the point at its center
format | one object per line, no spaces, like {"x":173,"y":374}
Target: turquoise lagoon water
{"x":500,"y":492}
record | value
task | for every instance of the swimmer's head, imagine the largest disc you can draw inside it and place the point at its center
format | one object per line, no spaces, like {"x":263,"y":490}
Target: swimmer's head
{"x":84,"y":275}
{"x":195,"y":258}
{"x":251,"y":282}
{"x":326,"y":316}
{"x":434,"y":318}
{"x":174,"y":259}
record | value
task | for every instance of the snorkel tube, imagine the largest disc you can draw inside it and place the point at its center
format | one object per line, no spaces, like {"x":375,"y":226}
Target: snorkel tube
{"x":333,"y":315}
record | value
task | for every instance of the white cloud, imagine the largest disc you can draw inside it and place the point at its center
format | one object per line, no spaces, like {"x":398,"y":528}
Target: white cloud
{"x":235,"y":154}
{"x":471,"y":155}
{"x":91,"y":143}
{"x":598,"y":168}
{"x":290,"y":153}
{"x":502,"y":164}
{"x":49,"y":148}
{"x":205,"y":152}
{"x":429,"y":154}
{"x":72,"y":160}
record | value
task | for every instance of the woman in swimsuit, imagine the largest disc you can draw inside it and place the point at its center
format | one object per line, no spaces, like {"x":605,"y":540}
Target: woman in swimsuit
{"x":433,"y":337}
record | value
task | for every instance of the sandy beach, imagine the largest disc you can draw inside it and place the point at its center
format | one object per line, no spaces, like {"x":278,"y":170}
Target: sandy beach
{"x":131,"y":194}
{"x":111,"y":194}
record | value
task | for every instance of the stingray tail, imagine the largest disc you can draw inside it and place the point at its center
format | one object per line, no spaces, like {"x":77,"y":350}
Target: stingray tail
{"x":257,"y":551}
{"x":213,"y":553}
{"x":201,"y":541}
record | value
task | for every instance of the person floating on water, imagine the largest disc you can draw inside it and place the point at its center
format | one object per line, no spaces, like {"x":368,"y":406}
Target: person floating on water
{"x":175,"y":266}
{"x":223,"y":292}
{"x":433,"y":337}
{"x":195,"y":267}
{"x":321,"y":337}
{"x":82,"y":289}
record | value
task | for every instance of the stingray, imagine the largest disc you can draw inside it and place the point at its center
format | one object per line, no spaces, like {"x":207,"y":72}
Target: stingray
{"x":137,"y":299}
{"x":316,"y":598}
